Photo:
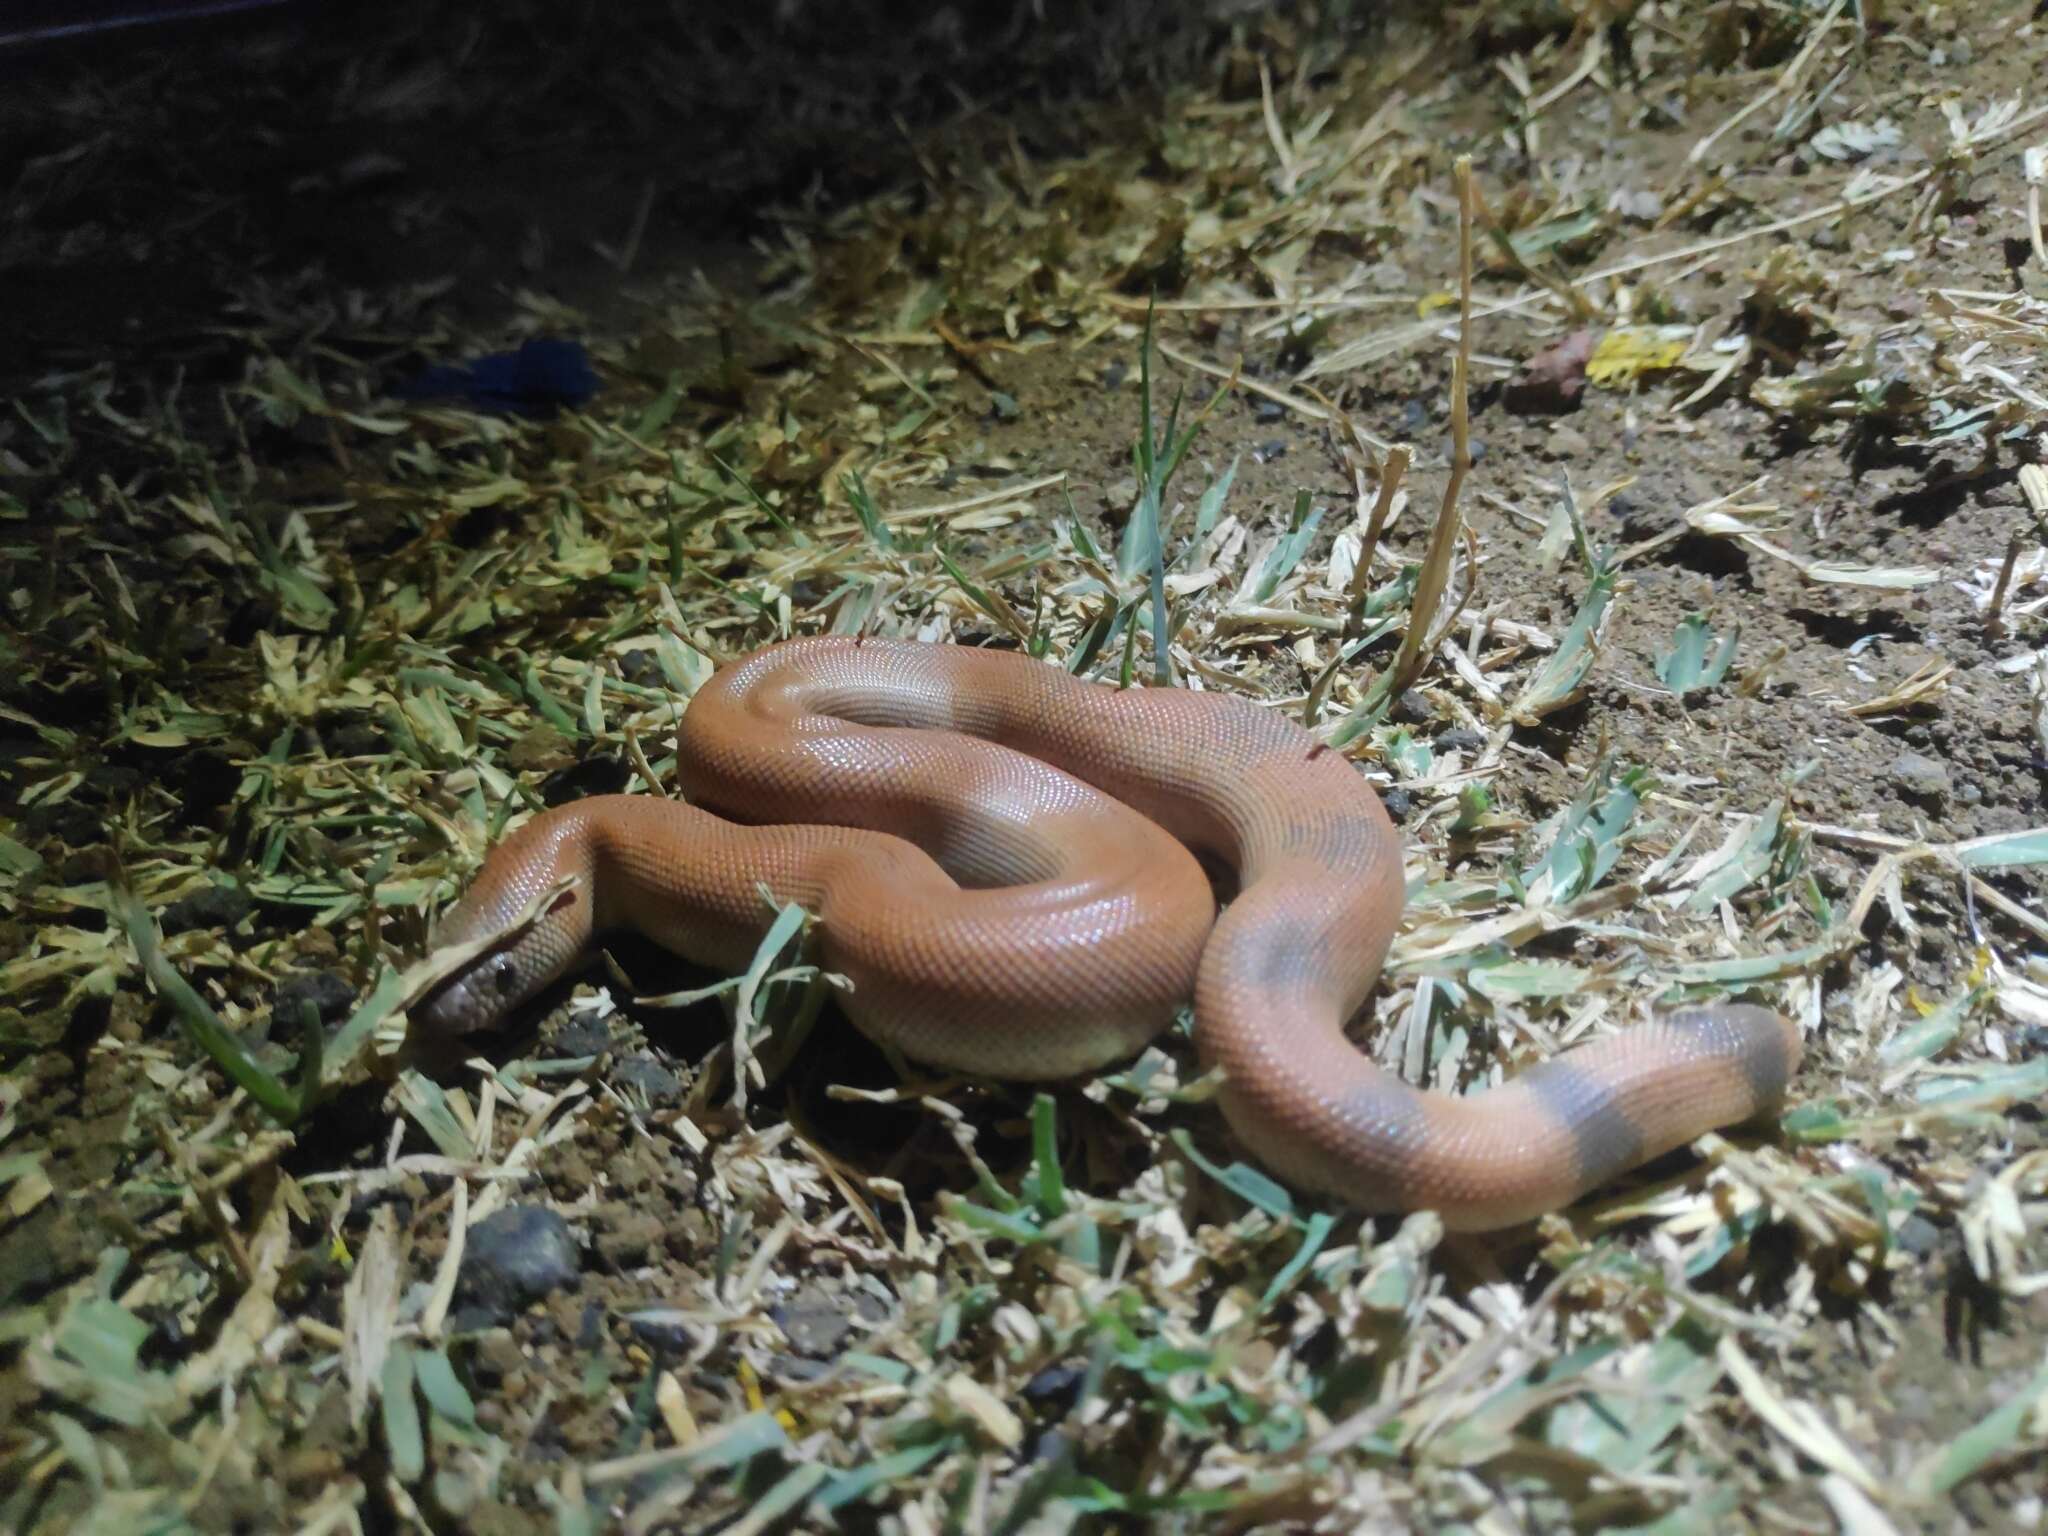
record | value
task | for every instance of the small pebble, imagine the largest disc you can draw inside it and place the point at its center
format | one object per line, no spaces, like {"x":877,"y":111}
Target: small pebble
{"x":1917,"y":1235}
{"x":1460,"y":739}
{"x":516,"y":1256}
{"x":212,"y":906}
{"x":1268,"y":410}
{"x":817,"y":1322}
{"x":661,"y":1331}
{"x":331,"y":996}
{"x":494,"y":1357}
{"x":581,"y":1036}
{"x":1920,"y":777}
{"x":649,"y":1079}
{"x":1268,"y":451}
{"x":1567,"y":442}
{"x":642,"y":668}
{"x":1054,"y":1382}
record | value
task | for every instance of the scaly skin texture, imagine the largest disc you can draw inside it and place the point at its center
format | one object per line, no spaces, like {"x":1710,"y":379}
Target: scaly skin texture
{"x":999,"y":855}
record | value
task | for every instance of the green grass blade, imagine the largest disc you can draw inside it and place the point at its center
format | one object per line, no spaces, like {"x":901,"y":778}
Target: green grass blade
{"x":201,"y":1024}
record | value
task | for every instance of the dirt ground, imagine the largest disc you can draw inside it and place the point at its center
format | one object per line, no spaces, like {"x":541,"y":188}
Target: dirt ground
{"x":1758,"y":341}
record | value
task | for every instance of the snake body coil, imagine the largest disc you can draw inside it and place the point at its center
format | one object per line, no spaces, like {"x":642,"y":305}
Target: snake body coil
{"x":999,"y":855}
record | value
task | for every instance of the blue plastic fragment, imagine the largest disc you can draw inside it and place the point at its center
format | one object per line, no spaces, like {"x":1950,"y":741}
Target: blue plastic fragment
{"x":544,"y":375}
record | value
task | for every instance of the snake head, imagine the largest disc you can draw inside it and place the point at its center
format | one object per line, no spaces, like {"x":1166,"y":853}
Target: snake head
{"x":530,"y":955}
{"x":481,"y":997}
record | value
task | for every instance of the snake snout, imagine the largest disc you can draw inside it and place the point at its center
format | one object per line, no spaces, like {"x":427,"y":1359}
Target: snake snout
{"x":475,"y":999}
{"x":524,"y":951}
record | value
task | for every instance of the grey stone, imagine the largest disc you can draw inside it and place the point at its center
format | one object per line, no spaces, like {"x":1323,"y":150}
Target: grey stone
{"x":1920,"y":776}
{"x":332,"y":997}
{"x":1918,"y":1236}
{"x":815,"y":1323}
{"x":211,"y":906}
{"x":516,"y":1256}
{"x":582,"y":1035}
{"x":649,"y":1079}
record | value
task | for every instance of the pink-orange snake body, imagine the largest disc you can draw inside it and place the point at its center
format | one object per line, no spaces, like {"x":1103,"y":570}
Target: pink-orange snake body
{"x":1003,"y":862}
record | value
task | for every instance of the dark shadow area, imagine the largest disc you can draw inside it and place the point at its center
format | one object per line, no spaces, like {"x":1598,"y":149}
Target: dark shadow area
{"x":170,"y":184}
{"x":1843,"y":630}
{"x":1941,"y":496}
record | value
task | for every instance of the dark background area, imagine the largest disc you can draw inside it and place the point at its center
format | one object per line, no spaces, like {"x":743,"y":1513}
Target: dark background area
{"x":151,"y":171}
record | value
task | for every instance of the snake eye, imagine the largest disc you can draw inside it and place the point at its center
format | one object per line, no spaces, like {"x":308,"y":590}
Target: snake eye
{"x":504,"y":976}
